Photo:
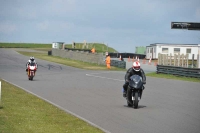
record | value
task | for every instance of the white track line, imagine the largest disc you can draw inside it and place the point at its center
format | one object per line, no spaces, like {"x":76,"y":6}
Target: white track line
{"x":60,"y":107}
{"x":92,"y":75}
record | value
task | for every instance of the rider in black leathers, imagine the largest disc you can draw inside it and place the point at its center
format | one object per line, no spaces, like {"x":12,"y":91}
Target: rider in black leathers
{"x":135,"y":70}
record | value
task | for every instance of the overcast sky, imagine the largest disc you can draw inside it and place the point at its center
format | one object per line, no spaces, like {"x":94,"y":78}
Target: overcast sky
{"x":122,"y":24}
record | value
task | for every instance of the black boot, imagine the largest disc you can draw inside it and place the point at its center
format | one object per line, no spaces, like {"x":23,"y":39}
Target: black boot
{"x":124,"y":93}
{"x":125,"y":89}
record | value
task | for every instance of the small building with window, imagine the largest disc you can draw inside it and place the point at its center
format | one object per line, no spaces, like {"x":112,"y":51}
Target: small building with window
{"x":153,"y":50}
{"x":58,"y":45}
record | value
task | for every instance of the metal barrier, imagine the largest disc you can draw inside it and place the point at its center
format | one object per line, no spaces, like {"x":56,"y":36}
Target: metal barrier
{"x":116,"y":63}
{"x":181,"y":71}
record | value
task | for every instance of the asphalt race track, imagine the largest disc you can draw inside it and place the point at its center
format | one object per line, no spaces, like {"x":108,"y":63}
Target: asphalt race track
{"x":167,"y":106}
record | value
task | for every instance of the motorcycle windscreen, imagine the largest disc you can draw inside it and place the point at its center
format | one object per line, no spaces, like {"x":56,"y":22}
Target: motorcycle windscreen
{"x":136,"y":81}
{"x":32,"y":64}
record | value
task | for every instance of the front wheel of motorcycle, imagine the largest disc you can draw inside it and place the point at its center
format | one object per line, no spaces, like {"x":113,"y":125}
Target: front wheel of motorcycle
{"x":129,"y":105}
{"x":135,"y":102}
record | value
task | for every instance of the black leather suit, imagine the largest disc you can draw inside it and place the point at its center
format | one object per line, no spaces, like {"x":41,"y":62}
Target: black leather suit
{"x":131,"y":72}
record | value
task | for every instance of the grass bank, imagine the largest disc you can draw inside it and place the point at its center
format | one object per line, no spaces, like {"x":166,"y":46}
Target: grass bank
{"x":99,"y":47}
{"x":24,"y":45}
{"x":21,"y":112}
{"x":168,"y":76}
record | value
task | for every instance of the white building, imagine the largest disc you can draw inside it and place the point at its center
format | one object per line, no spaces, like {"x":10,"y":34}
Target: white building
{"x":163,"y":48}
{"x":58,"y":45}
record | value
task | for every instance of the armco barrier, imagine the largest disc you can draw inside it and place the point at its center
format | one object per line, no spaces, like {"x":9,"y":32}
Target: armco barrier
{"x":116,"y":63}
{"x":181,"y":71}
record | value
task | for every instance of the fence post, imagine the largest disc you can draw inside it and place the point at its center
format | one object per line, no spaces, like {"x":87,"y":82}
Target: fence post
{"x":187,"y":59}
{"x":198,"y":56}
{"x":192,"y":60}
{"x":179,"y":59}
{"x":166,"y":60}
{"x":182,"y":57}
{"x":163,"y":61}
{"x":170,"y":59}
{"x":198,"y":60}
{"x":174,"y":59}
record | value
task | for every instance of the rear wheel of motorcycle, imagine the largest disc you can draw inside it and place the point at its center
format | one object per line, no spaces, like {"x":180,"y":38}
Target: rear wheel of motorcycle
{"x":135,"y":102}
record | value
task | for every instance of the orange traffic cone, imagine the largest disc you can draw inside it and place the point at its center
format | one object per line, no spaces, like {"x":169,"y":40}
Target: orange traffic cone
{"x":144,"y":61}
{"x":150,"y":61}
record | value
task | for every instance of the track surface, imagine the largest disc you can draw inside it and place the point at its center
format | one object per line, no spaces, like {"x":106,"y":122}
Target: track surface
{"x":167,"y":106}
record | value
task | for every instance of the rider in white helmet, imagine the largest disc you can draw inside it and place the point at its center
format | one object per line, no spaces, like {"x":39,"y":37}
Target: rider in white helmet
{"x":135,"y":69}
{"x":32,"y":59}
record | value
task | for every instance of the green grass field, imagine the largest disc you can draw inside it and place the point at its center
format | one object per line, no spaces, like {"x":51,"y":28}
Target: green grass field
{"x":21,"y":112}
{"x":24,"y":45}
{"x":98,"y":46}
{"x":168,"y":76}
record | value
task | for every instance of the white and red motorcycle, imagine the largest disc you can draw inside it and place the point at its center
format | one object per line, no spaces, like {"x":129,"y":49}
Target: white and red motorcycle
{"x":31,"y":70}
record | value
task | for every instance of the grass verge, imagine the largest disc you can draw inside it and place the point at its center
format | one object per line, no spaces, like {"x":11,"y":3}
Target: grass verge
{"x":21,"y":112}
{"x":168,"y":76}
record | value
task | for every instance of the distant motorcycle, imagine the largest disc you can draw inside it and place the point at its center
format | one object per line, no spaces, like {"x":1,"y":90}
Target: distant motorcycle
{"x":31,"y":70}
{"x":134,"y":91}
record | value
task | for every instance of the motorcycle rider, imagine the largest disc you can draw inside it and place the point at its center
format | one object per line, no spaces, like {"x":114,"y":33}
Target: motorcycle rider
{"x":32,"y":59}
{"x":134,"y":70}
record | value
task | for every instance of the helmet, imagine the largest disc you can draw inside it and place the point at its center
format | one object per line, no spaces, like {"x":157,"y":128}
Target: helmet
{"x":32,"y":58}
{"x":136,"y":66}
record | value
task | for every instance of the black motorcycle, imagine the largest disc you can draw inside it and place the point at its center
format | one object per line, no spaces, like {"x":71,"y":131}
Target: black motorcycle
{"x":134,"y":91}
